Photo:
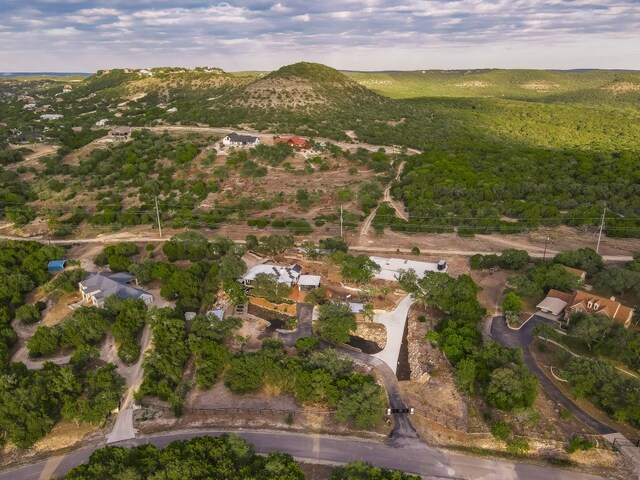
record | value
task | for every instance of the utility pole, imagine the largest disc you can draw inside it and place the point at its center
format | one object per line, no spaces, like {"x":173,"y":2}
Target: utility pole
{"x":604,"y":212}
{"x":158,"y":217}
{"x":544,"y":255}
{"x":341,"y":236}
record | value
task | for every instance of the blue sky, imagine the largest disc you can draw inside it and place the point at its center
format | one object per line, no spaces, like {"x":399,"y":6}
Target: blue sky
{"x":85,"y":35}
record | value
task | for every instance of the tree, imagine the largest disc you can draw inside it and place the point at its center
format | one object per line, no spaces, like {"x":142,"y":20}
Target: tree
{"x":512,"y":259}
{"x":334,"y":244}
{"x":511,"y":303}
{"x":28,"y":314}
{"x":466,"y":375}
{"x":186,"y":246}
{"x":231,"y":267}
{"x":589,"y":329}
{"x":368,"y":311}
{"x":305,"y":345}
{"x":268,"y":287}
{"x":235,"y":292}
{"x":316,"y":296}
{"x":361,"y":399}
{"x":335,"y":322}
{"x":66,"y":281}
{"x":584,"y":258}
{"x":366,"y":471}
{"x":509,"y":389}
{"x":357,"y":269}
{"x":618,"y":279}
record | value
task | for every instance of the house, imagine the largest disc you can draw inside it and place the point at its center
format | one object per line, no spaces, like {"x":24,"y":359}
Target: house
{"x":308,"y":282}
{"x":294,"y":142}
{"x":581,"y":274}
{"x":96,"y":288}
{"x":237,"y":140}
{"x":102,"y":123}
{"x":391,"y":267}
{"x":595,"y":305}
{"x":56,"y":265}
{"x":558,"y":304}
{"x":172,"y":110}
{"x":288,"y":275}
{"x":120,"y":133}
{"x":51,"y":116}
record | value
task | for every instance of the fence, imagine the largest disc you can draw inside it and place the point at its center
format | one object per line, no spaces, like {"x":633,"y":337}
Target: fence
{"x":237,"y":411}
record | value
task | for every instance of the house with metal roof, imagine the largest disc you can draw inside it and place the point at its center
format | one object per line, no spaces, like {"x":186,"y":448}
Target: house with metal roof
{"x":288,"y":275}
{"x":237,"y":140}
{"x":97,"y":287}
{"x":391,"y":267}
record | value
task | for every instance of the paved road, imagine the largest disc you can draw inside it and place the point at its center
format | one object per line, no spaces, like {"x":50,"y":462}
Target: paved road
{"x":522,"y":338}
{"x":418,"y":459}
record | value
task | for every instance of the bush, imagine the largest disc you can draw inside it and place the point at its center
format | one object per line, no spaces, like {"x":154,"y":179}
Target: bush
{"x":579,"y":443}
{"x":518,"y":446}
{"x":415,"y":251}
{"x":501,"y":431}
{"x":28,"y":314}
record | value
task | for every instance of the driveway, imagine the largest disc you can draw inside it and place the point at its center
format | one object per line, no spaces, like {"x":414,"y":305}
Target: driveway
{"x":522,"y":338}
{"x":395,"y":322}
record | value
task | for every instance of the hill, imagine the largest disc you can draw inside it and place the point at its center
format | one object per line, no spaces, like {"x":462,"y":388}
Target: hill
{"x":505,"y":150}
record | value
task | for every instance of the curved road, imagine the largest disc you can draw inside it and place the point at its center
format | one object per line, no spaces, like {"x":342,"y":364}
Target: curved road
{"x":418,"y":459}
{"x":522,"y":338}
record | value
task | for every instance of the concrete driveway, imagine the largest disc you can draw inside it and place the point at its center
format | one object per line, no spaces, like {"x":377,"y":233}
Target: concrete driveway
{"x":395,"y":322}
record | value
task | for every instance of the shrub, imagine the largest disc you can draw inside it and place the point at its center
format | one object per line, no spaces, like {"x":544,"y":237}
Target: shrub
{"x":579,"y":443}
{"x":501,"y":431}
{"x":518,"y":446}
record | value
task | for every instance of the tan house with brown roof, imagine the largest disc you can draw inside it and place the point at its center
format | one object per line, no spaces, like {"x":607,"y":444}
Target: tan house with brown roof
{"x":558,"y":303}
{"x":593,"y":304}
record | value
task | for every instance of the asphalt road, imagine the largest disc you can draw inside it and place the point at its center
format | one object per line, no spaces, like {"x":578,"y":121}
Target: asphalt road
{"x":522,"y":338}
{"x":418,"y":459}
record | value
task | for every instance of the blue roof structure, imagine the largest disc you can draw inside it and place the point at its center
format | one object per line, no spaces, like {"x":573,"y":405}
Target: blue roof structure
{"x":56,"y":265}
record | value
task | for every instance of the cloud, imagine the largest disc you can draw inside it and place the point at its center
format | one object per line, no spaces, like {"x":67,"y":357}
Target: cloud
{"x":92,"y":34}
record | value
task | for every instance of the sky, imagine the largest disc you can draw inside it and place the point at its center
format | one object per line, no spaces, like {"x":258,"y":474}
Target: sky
{"x":87,"y":35}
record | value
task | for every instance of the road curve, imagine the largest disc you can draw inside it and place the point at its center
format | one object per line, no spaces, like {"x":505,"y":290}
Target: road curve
{"x":417,"y":459}
{"x":522,"y":338}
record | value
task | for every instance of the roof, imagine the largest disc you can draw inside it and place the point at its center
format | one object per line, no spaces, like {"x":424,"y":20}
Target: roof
{"x":219,"y":314}
{"x":309,"y":280}
{"x":389,"y":267}
{"x":101,"y":286}
{"x":356,"y":307}
{"x":121,"y":131}
{"x":288,"y":274}
{"x":237,"y":138}
{"x":295,"y":141}
{"x":56,"y":264}
{"x":565,"y":297}
{"x":595,"y":304}
{"x":553,"y":305}
{"x":576,"y":271}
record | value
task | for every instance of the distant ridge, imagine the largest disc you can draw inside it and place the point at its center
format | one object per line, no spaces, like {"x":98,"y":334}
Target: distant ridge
{"x":45,"y":74}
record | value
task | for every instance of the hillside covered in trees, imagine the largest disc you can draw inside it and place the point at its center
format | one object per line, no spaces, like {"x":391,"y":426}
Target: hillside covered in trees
{"x":504,"y":151}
